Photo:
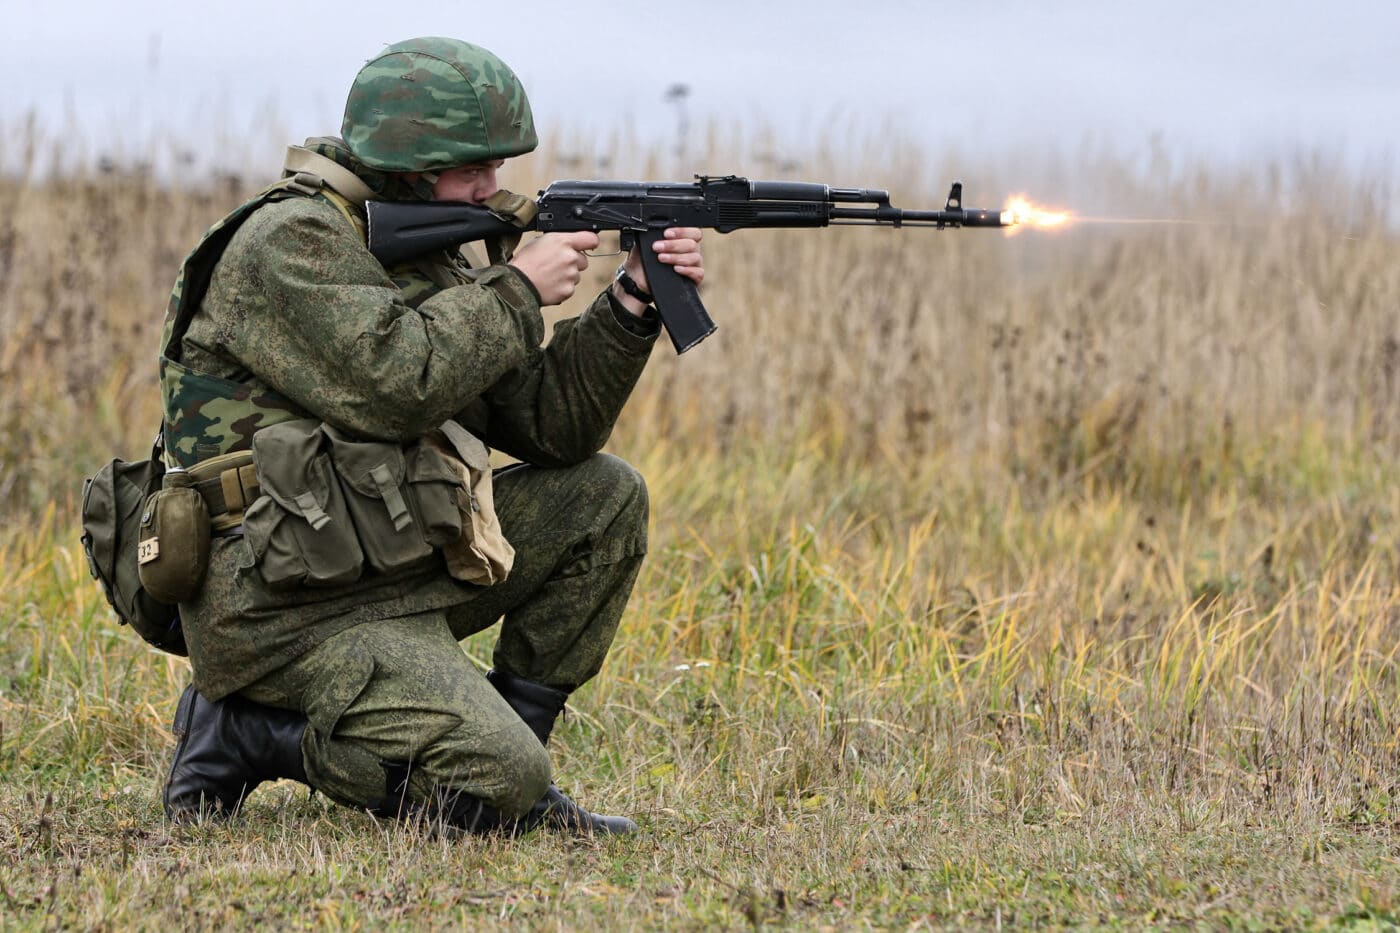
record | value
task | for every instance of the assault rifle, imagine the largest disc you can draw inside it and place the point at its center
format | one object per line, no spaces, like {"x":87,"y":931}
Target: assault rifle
{"x":641,"y":211}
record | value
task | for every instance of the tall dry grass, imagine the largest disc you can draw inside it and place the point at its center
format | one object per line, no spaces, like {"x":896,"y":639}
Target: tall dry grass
{"x":1097,"y":348}
{"x":1053,"y":577}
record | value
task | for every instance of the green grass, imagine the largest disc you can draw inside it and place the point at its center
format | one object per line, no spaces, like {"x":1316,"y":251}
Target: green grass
{"x":1041,"y":582}
{"x":109,"y":862}
{"x":847,"y":694}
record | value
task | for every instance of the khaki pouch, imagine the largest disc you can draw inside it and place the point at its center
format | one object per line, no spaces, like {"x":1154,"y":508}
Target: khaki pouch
{"x":482,"y":554}
{"x":299,"y":529}
{"x":229,"y":484}
{"x":173,"y":552}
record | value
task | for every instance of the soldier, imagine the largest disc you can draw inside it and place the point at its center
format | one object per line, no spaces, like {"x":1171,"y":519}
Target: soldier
{"x":368,"y":536}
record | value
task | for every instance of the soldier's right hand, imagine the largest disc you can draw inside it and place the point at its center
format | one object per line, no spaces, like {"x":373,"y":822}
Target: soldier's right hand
{"x":554,"y":263}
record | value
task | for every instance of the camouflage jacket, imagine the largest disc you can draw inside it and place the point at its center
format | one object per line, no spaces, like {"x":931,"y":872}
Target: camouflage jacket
{"x":310,"y":324}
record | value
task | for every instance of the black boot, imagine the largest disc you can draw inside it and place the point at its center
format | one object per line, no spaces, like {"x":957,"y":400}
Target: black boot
{"x":226,"y":749}
{"x":540,"y":706}
{"x":445,"y":809}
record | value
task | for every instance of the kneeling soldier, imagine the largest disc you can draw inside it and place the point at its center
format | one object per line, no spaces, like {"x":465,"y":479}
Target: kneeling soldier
{"x":335,"y":416}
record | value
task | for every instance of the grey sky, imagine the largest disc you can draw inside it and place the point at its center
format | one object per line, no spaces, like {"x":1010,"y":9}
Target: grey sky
{"x":1232,"y":79}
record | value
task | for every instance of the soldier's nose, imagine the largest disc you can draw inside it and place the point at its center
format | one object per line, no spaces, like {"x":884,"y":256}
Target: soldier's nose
{"x":487,"y":186}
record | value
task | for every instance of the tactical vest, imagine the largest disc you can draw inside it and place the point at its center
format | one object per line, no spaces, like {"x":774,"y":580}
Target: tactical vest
{"x":208,"y":416}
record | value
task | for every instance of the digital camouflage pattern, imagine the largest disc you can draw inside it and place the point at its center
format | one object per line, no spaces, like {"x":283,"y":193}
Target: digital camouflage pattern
{"x":401,"y":690}
{"x":406,"y":693}
{"x":298,"y":319}
{"x":298,"y":307}
{"x":428,"y":104}
{"x":207,"y":416}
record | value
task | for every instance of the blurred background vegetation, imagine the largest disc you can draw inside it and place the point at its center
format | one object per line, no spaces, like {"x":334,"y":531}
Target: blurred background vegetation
{"x":1271,"y":313}
{"x":1047,"y":577}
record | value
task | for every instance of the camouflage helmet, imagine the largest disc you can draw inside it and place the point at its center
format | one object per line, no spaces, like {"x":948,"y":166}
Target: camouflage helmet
{"x":429,"y":104}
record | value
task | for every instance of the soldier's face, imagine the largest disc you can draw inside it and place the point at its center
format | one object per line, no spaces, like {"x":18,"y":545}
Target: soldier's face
{"x":471,"y":183}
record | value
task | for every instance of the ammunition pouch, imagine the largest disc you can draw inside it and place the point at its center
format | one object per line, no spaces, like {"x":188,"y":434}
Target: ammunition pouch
{"x":332,"y":507}
{"x":299,"y":530}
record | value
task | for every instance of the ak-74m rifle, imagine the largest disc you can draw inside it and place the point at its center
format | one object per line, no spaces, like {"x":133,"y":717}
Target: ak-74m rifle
{"x":641,"y":211}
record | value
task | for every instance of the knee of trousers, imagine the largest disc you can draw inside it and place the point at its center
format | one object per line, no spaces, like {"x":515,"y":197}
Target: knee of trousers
{"x":511,"y":778}
{"x":621,"y":492}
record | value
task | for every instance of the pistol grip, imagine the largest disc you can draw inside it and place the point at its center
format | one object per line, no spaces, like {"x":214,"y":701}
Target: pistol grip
{"x":677,"y":299}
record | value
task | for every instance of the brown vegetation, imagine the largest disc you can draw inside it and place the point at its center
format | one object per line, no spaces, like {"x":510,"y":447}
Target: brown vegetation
{"x":1052,"y":578}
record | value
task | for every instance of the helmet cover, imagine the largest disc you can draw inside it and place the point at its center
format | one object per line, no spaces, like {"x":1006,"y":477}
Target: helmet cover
{"x":428,"y":104}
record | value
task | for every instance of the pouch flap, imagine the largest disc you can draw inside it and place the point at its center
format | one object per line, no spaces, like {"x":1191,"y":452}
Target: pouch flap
{"x":375,"y":470}
{"x":290,"y":470}
{"x":434,"y":460}
{"x":368,"y":467}
{"x":468,"y":446}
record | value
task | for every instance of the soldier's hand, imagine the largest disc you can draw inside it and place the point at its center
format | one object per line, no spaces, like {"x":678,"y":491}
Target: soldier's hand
{"x":679,"y":248}
{"x":554,"y":263}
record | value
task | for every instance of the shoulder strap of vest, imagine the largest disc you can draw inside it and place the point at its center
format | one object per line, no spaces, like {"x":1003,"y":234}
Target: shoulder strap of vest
{"x":344,"y":205}
{"x":330,"y":174}
{"x":313,"y":174}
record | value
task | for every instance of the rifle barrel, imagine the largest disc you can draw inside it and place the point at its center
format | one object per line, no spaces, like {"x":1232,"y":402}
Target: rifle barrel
{"x":892,"y":216}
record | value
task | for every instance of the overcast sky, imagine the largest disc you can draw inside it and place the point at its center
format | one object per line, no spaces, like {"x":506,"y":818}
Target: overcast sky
{"x":1229,"y":79}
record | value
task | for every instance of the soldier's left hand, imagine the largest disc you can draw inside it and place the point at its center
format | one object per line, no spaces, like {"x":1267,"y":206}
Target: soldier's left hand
{"x":678,"y":248}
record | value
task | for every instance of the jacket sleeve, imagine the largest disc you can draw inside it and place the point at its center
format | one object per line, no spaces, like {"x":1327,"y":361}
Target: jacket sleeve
{"x":315,"y":317}
{"x":559,"y":406}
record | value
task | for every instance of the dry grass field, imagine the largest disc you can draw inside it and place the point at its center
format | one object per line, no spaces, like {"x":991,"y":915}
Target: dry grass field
{"x":1041,"y":581}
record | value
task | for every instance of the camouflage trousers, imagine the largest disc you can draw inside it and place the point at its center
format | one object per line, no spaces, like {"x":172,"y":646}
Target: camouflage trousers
{"x":402,"y":690}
